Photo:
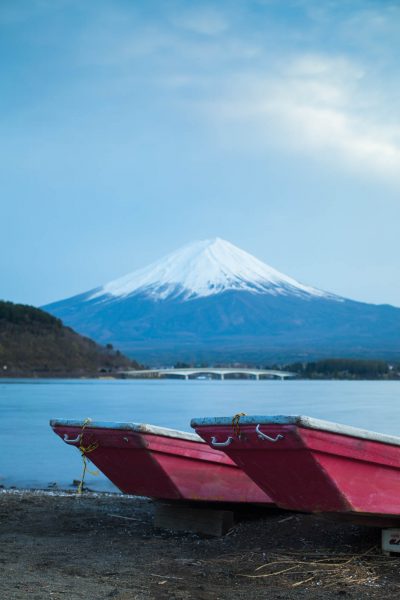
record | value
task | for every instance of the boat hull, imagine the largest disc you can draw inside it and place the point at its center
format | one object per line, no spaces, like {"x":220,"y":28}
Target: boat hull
{"x":311,"y":470}
{"x":170,"y":468}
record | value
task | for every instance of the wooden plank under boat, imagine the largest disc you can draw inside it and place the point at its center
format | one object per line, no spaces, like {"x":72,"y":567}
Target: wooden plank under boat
{"x":161,"y":463}
{"x":311,"y":465}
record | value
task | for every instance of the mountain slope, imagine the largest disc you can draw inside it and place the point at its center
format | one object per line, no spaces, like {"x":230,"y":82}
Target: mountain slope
{"x":212,"y":301}
{"x":34,"y":342}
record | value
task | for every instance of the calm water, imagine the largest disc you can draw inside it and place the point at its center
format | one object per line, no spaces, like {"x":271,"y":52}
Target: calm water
{"x":31,"y":455}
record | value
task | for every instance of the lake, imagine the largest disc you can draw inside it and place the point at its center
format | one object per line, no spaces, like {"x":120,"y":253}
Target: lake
{"x":31,"y":455}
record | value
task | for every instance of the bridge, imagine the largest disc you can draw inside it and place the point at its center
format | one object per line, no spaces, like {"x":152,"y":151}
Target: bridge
{"x":212,"y":373}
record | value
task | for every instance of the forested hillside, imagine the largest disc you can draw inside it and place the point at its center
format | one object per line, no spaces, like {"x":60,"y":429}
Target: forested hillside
{"x":32,"y":342}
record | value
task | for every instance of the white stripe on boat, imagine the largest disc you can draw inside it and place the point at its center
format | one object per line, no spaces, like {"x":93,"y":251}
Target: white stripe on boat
{"x":300,"y":421}
{"x":137,"y":427}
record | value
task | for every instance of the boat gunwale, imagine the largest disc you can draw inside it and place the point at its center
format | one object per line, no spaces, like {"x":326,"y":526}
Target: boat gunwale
{"x":300,"y":421}
{"x":144,"y":428}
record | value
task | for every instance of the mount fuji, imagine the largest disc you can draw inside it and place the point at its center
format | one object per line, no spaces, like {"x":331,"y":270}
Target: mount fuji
{"x":212,"y":301}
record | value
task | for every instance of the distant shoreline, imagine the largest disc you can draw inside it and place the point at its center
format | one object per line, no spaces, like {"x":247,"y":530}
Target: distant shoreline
{"x":116,"y":377}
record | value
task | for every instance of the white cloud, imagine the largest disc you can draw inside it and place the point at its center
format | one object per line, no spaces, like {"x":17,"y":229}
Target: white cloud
{"x":330,"y":108}
{"x":321,"y":106}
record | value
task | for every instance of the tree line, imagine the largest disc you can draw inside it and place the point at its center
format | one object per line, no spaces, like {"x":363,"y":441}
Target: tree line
{"x":346,"y":368}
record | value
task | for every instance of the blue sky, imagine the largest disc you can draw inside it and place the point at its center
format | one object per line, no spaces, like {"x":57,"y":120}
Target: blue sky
{"x":131,"y":128}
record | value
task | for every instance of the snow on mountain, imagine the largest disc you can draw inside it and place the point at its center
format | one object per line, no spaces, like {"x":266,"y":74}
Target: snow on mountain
{"x":211,"y":301}
{"x":203,"y":269}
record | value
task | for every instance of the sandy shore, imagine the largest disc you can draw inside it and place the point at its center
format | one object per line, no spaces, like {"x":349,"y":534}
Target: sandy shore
{"x":62,"y":547}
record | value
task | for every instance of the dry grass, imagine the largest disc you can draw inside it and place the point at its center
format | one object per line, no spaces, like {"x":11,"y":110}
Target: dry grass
{"x":325,"y":570}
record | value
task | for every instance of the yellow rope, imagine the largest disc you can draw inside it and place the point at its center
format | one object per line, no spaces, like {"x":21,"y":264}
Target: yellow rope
{"x":235,"y":423}
{"x":84,"y":450}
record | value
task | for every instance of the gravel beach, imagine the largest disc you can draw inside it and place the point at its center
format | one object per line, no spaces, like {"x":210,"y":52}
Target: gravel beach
{"x":99,"y":546}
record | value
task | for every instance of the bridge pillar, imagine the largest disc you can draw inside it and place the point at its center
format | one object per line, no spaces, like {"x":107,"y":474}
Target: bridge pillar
{"x":186,"y":376}
{"x":222,"y":376}
{"x":257,"y":376}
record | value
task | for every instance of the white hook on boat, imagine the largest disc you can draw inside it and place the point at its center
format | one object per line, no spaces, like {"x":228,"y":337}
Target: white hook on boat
{"x":264,"y":436}
{"x":226,"y":443}
{"x":70,"y":441}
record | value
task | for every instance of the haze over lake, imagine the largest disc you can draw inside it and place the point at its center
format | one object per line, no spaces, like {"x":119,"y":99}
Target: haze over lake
{"x":33,"y":456}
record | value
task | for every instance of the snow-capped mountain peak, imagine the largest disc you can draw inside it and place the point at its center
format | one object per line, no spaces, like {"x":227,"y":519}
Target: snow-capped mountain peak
{"x":206,"y":268}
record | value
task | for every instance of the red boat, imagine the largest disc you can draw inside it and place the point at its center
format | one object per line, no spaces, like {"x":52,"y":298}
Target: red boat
{"x":161,"y":463}
{"x":310,"y":465}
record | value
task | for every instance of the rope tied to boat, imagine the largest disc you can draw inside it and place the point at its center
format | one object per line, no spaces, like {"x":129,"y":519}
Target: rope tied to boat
{"x":84,"y":450}
{"x":235,"y":423}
